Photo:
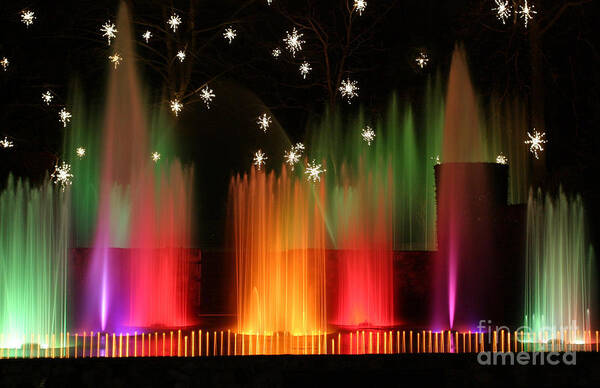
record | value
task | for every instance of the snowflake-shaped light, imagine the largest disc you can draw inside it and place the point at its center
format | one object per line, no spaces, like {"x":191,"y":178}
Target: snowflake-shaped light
{"x":501,"y":159}
{"x":368,"y":135}
{"x":155,"y":156}
{"x":422,"y":59}
{"x":535,"y":142}
{"x":27,"y":17}
{"x":314,"y":171}
{"x":180,"y":55}
{"x":305,"y":68}
{"x":47,"y":97}
{"x":4,"y":63}
{"x":264,"y":121}
{"x":276,"y":52}
{"x":174,"y":21}
{"x":109,"y":30}
{"x":502,"y":10}
{"x":116,"y":59}
{"x":359,"y":6}
{"x":176,"y":106}
{"x":293,"y":41}
{"x":62,"y":175}
{"x":5,"y":143}
{"x":80,"y":151}
{"x":269,"y":2}
{"x":259,"y":159}
{"x":147,"y":35}
{"x":207,"y":96}
{"x":229,"y":34}
{"x":293,"y":155}
{"x":349,"y":89}
{"x":64,"y":117}
{"x":436,"y":159}
{"x":526,"y":12}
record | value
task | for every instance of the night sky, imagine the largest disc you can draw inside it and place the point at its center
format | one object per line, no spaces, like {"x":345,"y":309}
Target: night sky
{"x":560,"y":84}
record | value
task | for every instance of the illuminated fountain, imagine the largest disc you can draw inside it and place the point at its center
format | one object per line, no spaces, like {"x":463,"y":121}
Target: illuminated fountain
{"x":278,"y":235}
{"x":34,"y":243}
{"x":506,"y":128}
{"x":400,"y":158}
{"x":467,"y":195}
{"x":84,"y":133}
{"x":559,"y":269}
{"x":144,"y":207}
{"x":365,"y":269}
{"x":380,"y":191}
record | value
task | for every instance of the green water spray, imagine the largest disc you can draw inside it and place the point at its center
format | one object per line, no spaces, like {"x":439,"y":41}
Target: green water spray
{"x":558,"y":269}
{"x":84,"y":132}
{"x":402,"y":155}
{"x":34,"y":242}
